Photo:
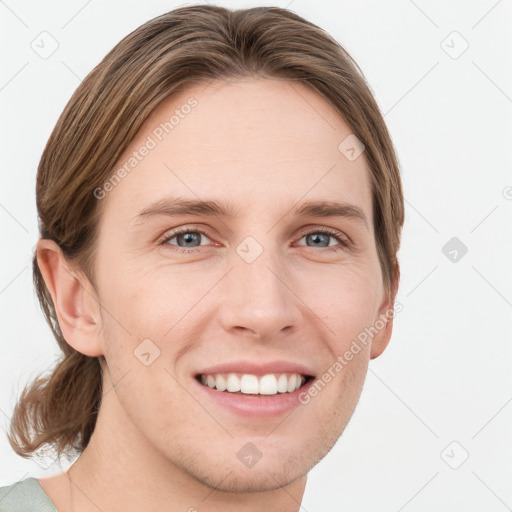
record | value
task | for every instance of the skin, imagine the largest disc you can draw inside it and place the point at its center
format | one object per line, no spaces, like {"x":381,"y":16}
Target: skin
{"x":262,"y":146}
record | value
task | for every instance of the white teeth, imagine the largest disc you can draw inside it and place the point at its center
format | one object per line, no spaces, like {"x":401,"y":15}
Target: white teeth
{"x":282,"y":384}
{"x":233,"y":384}
{"x":292,"y":381}
{"x":270,"y":384}
{"x":249,"y":384}
{"x":220,"y":383}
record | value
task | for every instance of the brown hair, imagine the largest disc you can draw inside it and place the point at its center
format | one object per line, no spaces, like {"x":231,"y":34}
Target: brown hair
{"x":186,"y":46}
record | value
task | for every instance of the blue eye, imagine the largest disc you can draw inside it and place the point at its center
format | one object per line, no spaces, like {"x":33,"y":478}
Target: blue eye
{"x":319,"y":237}
{"x":191,"y":239}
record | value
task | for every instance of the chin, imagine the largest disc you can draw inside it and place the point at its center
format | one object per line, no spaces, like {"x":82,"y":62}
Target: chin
{"x":273,"y":470}
{"x":250,"y":480}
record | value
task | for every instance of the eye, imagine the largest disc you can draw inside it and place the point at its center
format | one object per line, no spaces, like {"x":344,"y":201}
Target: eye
{"x":185,"y":239}
{"x":320,"y":238}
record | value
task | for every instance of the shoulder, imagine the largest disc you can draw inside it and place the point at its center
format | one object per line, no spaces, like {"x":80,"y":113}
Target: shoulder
{"x":25,"y":496}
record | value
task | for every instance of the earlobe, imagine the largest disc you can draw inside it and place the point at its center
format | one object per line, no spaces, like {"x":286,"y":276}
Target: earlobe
{"x":382,"y":338}
{"x":73,"y":297}
{"x":384,"y":321}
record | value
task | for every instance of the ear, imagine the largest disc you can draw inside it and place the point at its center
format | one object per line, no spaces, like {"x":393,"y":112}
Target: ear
{"x":74,"y":298}
{"x":384,"y":321}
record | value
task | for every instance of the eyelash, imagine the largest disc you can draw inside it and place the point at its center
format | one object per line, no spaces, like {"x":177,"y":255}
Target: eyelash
{"x":344,"y":243}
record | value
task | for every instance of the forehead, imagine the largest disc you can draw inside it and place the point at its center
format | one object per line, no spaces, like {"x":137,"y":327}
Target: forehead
{"x":258,"y":143}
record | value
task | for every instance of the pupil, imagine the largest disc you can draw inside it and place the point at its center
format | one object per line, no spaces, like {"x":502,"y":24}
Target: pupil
{"x":190,"y":237}
{"x":318,"y":237}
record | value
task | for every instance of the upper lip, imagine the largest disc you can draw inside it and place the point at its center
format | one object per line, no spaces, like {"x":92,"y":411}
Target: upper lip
{"x":254,"y":368}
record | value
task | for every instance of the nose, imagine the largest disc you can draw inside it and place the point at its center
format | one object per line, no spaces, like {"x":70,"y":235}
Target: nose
{"x":258,"y":299}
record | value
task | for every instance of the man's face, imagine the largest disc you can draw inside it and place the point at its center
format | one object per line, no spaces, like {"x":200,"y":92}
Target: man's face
{"x":265,"y":292}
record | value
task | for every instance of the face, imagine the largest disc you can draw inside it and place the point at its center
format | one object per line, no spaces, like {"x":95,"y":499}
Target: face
{"x":260,"y":288}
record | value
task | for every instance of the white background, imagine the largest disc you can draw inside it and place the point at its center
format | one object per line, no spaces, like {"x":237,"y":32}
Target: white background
{"x":446,"y":375}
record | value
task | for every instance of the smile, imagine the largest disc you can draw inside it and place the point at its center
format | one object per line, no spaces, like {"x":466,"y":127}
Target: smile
{"x":250,"y":384}
{"x":255,"y":389}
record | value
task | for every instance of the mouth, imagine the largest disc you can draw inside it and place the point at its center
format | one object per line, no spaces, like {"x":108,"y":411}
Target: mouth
{"x":251,"y":384}
{"x":254,"y":389}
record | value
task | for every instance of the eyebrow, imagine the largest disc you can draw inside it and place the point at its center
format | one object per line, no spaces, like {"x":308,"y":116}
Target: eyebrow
{"x":332,"y":209}
{"x":211,"y":208}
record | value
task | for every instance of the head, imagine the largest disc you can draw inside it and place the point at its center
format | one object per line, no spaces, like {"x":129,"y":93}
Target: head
{"x":289,"y":255}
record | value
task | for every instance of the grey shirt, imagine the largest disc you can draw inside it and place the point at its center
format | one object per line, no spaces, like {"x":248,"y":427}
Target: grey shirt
{"x":25,"y":496}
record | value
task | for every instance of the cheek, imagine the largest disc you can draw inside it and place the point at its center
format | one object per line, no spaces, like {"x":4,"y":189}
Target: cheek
{"x":346,"y":302}
{"x":136,"y":296}
{"x":166,"y":306}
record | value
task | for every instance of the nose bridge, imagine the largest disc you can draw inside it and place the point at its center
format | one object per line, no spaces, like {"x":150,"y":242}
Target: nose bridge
{"x":257,"y":296}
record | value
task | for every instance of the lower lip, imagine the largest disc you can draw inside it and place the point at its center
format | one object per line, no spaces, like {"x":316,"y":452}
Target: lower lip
{"x":260,"y":406}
